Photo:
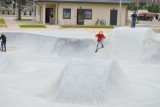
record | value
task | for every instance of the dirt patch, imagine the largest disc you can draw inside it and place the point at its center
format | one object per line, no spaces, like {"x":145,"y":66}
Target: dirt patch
{"x":12,"y":48}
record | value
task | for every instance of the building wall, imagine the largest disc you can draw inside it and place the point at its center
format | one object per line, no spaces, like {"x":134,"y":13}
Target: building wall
{"x":41,"y":9}
{"x":37,"y":14}
{"x":101,"y":11}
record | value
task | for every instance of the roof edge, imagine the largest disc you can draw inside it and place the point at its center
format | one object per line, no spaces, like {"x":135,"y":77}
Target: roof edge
{"x":80,"y":2}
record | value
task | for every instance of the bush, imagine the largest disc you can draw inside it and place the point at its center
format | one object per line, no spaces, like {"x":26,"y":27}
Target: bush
{"x":133,"y":7}
{"x":153,"y":8}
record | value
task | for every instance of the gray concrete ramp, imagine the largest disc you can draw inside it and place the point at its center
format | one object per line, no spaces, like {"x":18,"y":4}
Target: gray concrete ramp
{"x":84,"y":82}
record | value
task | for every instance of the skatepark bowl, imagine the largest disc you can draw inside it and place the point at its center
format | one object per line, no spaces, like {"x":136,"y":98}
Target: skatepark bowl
{"x":61,"y":69}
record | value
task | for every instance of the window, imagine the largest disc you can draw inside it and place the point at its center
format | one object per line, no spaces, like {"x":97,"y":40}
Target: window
{"x":87,"y":13}
{"x":66,"y":13}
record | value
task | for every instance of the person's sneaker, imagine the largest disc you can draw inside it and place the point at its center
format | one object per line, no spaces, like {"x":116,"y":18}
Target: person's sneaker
{"x":96,"y":50}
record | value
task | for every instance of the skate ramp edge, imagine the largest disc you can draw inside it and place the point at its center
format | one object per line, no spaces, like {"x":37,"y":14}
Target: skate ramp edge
{"x":42,"y":45}
{"x":151,"y":47}
{"x":85,"y":81}
{"x":134,"y":44}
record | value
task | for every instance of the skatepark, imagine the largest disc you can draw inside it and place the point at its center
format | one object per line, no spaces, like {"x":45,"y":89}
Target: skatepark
{"x":60,"y":68}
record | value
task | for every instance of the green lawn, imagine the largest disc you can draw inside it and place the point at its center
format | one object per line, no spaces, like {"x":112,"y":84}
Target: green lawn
{"x":87,"y":26}
{"x":23,"y":20}
{"x":32,"y":26}
{"x":137,"y":22}
{"x":2,"y":21}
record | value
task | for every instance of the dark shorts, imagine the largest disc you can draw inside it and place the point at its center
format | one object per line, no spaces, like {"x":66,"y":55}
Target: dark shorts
{"x":3,"y":43}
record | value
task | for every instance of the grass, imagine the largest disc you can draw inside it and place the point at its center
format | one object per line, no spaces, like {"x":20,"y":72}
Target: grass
{"x":32,"y":26}
{"x":87,"y":26}
{"x":2,"y":21}
{"x":137,"y":22}
{"x":23,"y":20}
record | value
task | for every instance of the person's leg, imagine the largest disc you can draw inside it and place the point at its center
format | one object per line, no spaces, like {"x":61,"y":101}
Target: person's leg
{"x":4,"y":44}
{"x":49,"y":20}
{"x":101,"y":42}
{"x":97,"y":46}
{"x":134,"y":23}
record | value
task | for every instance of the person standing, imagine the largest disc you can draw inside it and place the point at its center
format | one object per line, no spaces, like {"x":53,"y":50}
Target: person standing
{"x":134,"y":17}
{"x":100,"y":37}
{"x":51,"y":17}
{"x":3,"y":42}
{"x":156,"y":16}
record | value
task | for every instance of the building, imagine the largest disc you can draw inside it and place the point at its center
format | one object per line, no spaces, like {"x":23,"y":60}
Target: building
{"x":81,"y":12}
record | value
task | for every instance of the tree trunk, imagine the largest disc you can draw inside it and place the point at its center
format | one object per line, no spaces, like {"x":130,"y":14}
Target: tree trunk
{"x":19,"y":10}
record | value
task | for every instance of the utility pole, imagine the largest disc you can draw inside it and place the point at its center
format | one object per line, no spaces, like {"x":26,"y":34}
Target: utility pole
{"x":33,"y":15}
{"x":137,"y":5}
{"x":120,"y":8}
{"x":159,"y":14}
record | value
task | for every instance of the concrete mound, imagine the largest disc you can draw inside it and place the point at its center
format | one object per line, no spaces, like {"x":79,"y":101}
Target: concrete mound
{"x":87,"y":81}
{"x":134,"y":44}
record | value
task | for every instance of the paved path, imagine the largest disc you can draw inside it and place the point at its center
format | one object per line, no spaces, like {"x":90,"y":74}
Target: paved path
{"x":14,"y":25}
{"x":11,"y":23}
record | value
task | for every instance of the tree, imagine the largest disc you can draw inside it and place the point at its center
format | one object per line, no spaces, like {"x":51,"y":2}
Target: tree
{"x":8,"y":1}
{"x":19,"y":9}
{"x":20,"y":3}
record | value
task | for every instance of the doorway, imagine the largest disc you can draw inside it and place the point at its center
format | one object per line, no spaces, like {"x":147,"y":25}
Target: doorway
{"x":113,"y":17}
{"x":80,"y":17}
{"x":48,"y":13}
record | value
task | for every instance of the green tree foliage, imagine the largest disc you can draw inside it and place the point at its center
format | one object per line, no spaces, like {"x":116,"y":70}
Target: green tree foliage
{"x":153,"y":8}
{"x":8,"y":1}
{"x":19,"y":5}
{"x":133,"y":7}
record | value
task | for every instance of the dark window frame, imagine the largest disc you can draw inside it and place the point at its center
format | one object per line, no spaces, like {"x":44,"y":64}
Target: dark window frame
{"x":63,"y":13}
{"x":85,"y":16}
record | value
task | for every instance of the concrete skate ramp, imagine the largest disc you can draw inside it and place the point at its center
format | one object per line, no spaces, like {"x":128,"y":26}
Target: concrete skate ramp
{"x":34,"y":44}
{"x":135,"y":44}
{"x":88,"y":81}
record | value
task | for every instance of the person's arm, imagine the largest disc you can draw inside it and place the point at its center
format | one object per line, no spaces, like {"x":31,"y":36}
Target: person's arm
{"x":96,"y":36}
{"x":103,"y":37}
